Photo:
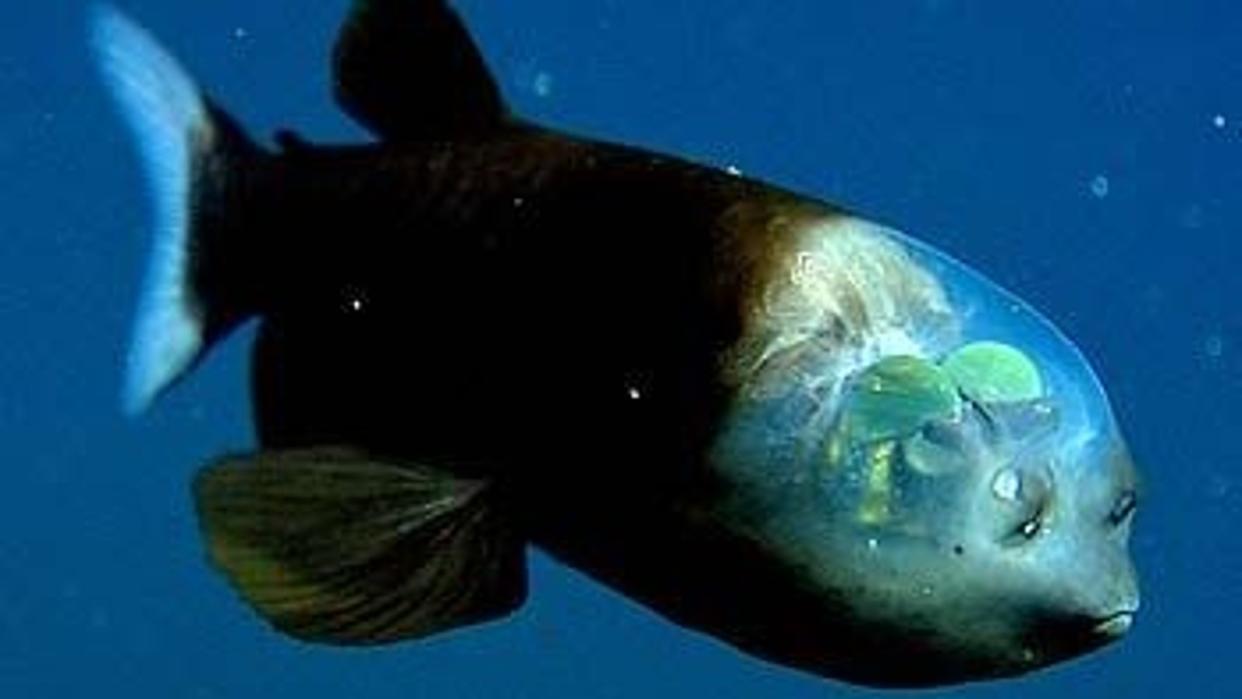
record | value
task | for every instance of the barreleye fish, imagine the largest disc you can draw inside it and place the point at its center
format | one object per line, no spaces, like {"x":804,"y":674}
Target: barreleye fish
{"x":766,"y":418}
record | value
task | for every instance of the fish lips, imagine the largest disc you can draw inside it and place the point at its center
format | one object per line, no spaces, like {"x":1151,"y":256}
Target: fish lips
{"x":1066,"y":637}
{"x":1116,"y":624}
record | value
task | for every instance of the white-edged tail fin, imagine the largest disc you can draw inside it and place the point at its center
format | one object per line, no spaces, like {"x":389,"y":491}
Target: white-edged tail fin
{"x":176,"y":131}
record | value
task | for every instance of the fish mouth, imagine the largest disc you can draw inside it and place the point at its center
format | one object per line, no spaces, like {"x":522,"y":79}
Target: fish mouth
{"x":1115,"y":625}
{"x":1069,"y":637}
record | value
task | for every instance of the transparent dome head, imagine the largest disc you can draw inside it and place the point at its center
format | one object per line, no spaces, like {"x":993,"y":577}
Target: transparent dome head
{"x":980,"y":386}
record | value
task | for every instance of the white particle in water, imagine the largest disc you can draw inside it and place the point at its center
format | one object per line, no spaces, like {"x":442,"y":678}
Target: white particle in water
{"x":542,"y":84}
{"x":1219,"y":121}
{"x":1099,"y":186}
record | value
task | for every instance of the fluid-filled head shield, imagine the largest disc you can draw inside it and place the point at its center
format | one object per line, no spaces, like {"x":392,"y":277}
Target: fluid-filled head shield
{"x":931,"y":452}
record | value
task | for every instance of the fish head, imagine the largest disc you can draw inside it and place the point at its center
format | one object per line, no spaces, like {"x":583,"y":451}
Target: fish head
{"x":939,"y":472}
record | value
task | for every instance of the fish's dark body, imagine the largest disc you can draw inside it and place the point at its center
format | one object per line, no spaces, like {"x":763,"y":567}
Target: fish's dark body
{"x":523,"y":281}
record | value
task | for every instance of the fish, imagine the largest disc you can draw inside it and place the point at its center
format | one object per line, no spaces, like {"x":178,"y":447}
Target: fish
{"x":769,"y":419}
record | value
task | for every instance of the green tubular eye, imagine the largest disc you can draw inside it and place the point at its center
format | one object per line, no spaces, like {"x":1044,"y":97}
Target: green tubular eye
{"x":991,"y":372}
{"x":896,"y":396}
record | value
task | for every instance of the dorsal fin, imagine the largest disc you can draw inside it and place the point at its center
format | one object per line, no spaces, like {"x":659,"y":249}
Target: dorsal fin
{"x":409,"y":71}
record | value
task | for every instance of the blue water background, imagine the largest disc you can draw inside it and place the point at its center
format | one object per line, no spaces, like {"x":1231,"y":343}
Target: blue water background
{"x":1088,"y":155}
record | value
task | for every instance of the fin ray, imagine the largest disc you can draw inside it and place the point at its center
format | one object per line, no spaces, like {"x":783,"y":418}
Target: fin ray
{"x":167,"y":117}
{"x":333,"y":546}
{"x":191,"y":153}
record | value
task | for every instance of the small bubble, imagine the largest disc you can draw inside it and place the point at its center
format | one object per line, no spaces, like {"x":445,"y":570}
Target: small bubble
{"x":634,"y":393}
{"x":542,"y":84}
{"x":1220,"y":487}
{"x":1219,"y":121}
{"x":240,"y":33}
{"x":1214,"y":346}
{"x":1099,"y":186}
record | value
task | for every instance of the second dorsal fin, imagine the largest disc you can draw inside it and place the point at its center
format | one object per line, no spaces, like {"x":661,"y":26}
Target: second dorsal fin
{"x":408,"y":70}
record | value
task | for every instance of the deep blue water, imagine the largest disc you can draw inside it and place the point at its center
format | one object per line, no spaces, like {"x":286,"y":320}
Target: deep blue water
{"x":1086,"y":155}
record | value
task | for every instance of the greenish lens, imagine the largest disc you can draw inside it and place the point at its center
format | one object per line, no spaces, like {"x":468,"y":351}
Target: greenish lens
{"x":896,"y":396}
{"x":992,"y":372}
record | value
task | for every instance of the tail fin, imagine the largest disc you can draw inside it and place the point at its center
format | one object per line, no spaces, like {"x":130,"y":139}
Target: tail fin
{"x":193,"y":156}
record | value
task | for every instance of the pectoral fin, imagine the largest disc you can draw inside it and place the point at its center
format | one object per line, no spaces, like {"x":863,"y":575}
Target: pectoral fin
{"x":333,"y":546}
